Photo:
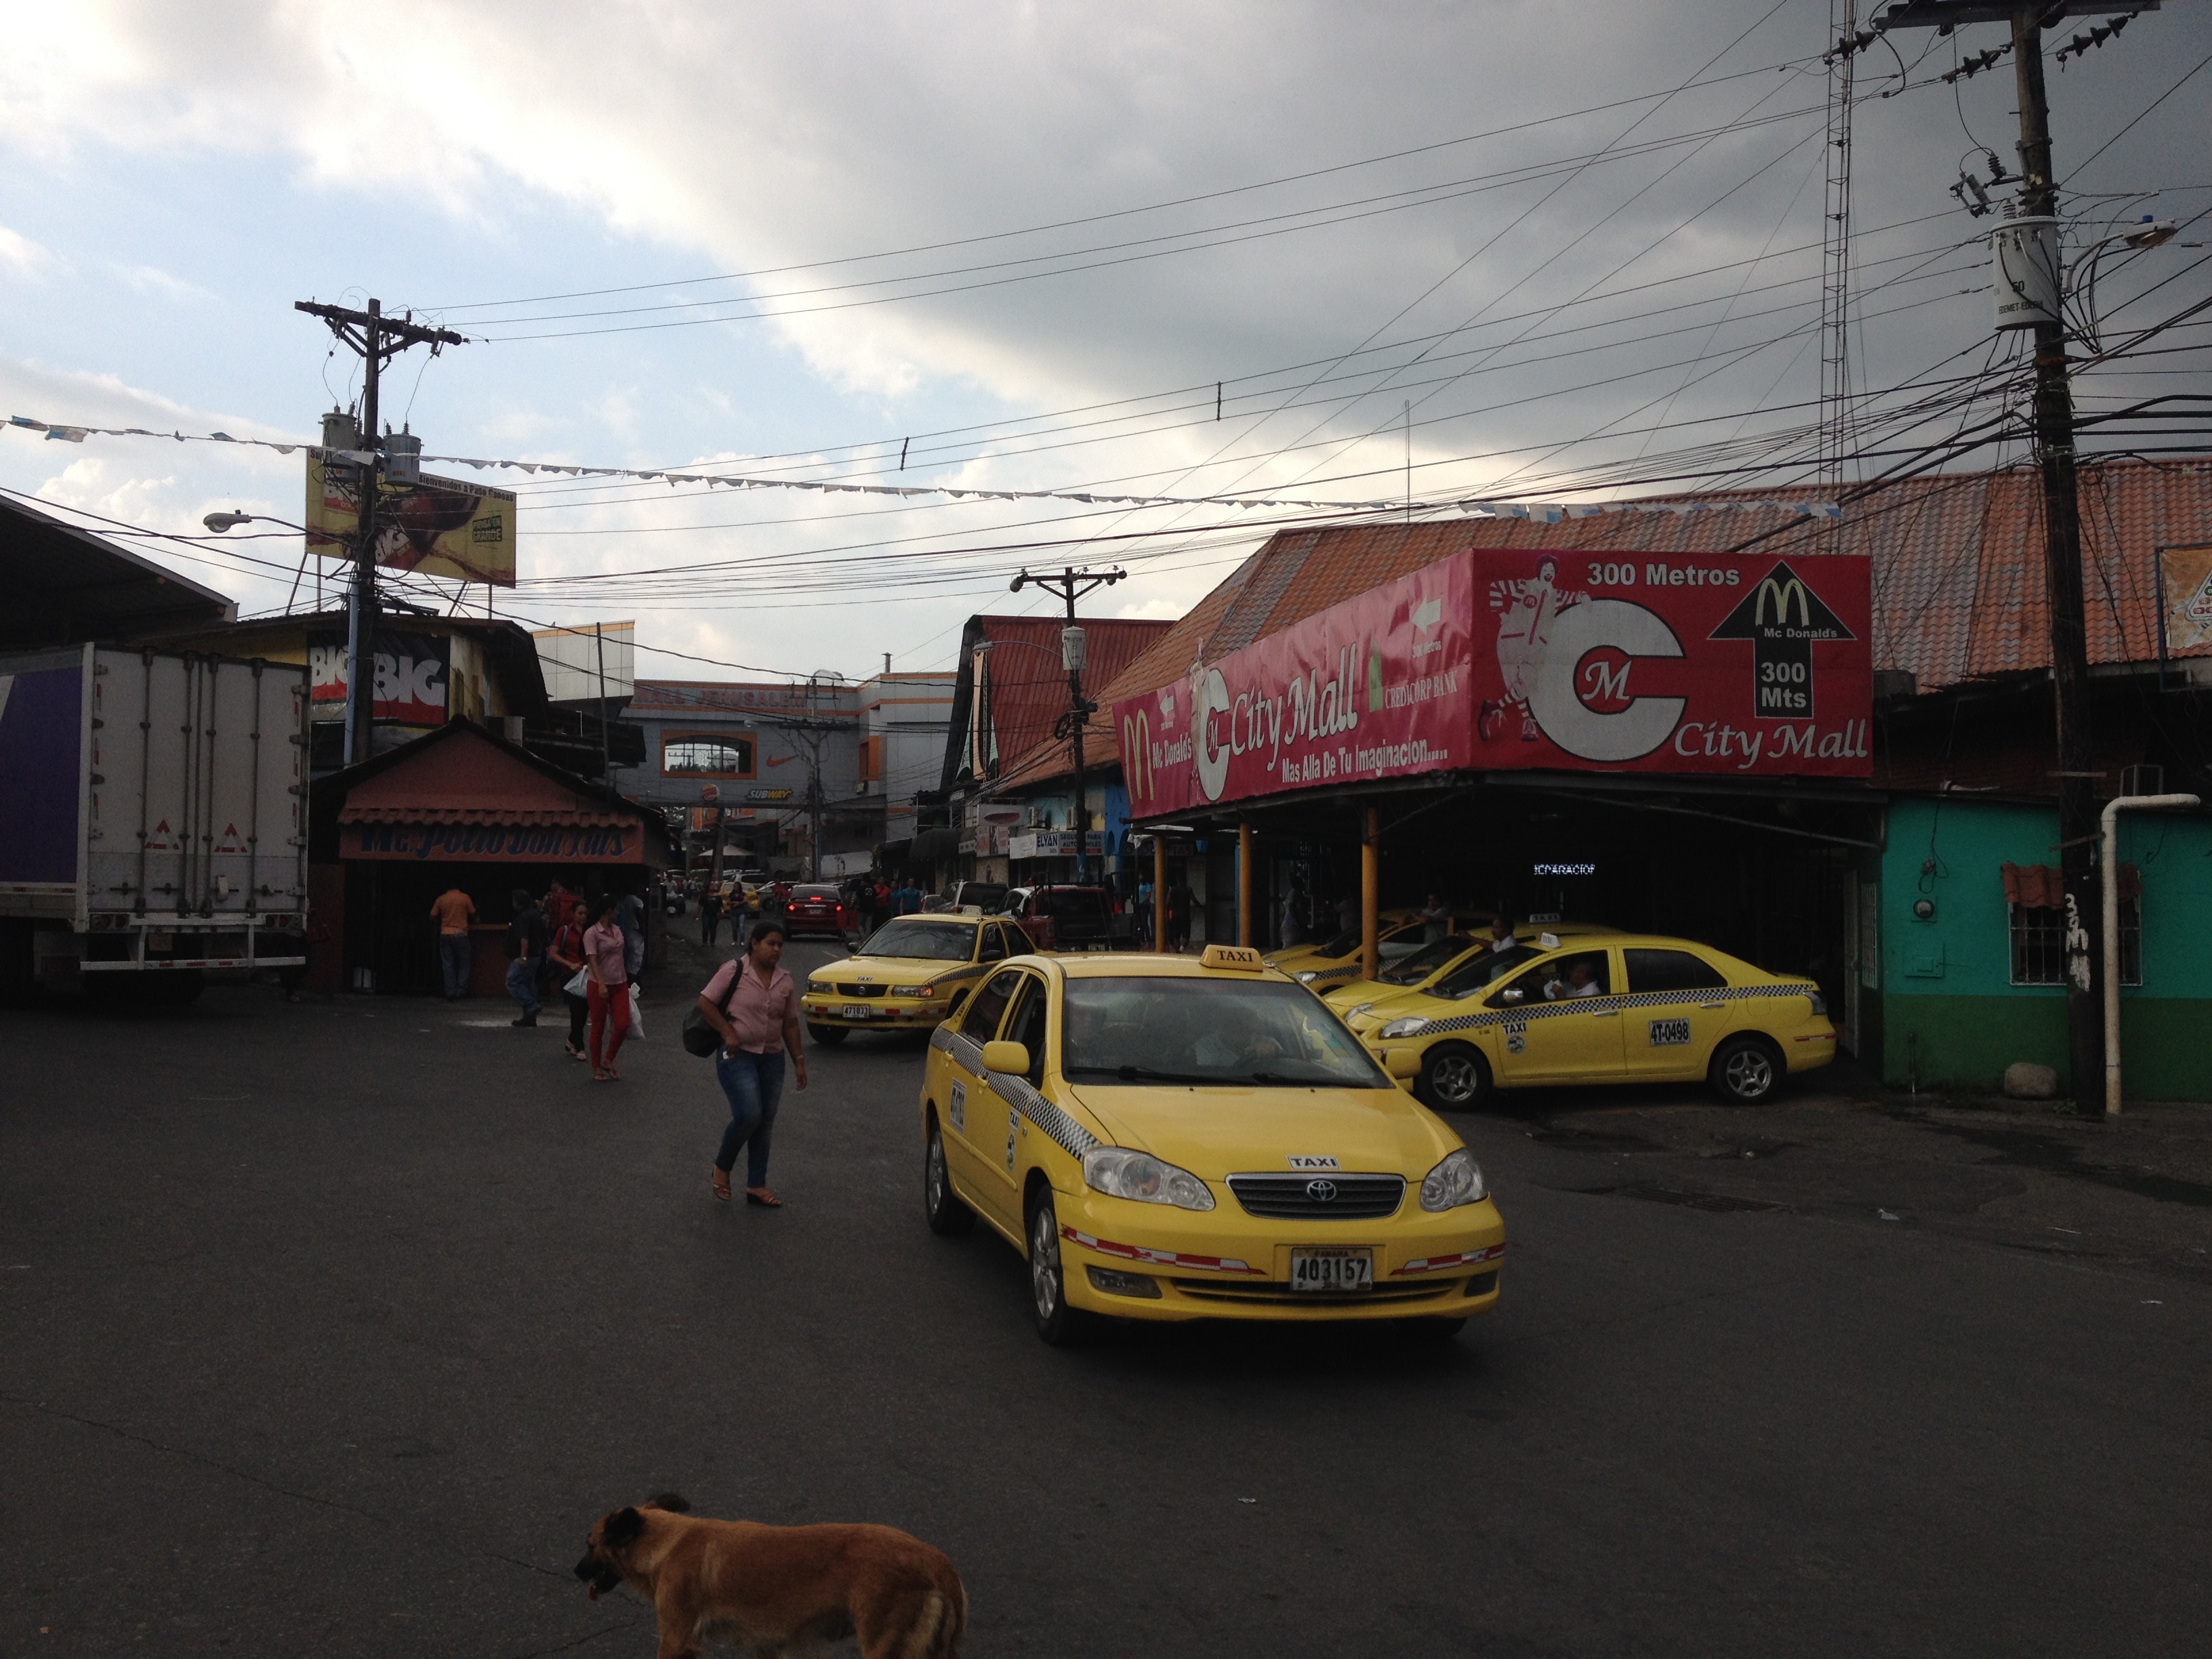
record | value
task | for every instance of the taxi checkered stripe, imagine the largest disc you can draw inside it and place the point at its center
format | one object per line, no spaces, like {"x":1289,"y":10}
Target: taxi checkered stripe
{"x":1050,"y":1120}
{"x":1337,"y":973}
{"x":1609,"y":1005}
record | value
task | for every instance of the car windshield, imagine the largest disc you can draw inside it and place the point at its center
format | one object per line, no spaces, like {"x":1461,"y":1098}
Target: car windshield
{"x":932,"y":941}
{"x":1486,"y":970}
{"x":1414,"y":969}
{"x":1342,"y":945}
{"x":1232,"y":1032}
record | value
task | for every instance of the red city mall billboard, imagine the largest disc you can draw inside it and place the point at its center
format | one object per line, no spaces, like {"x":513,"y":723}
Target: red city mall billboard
{"x":1740,"y":665}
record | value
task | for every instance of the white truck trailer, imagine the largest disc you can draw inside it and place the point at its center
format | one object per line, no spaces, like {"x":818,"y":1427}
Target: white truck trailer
{"x":153,"y":819}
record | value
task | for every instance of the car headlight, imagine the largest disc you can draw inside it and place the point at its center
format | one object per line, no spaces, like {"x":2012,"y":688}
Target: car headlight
{"x":913,"y":990}
{"x":1410,"y":1025}
{"x":1354,"y":1013}
{"x":1119,"y":1173}
{"x":1307,"y":976}
{"x":1457,"y":1181}
{"x":1819,"y":1003}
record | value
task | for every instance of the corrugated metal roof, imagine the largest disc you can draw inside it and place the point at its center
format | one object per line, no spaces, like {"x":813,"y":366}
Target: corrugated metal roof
{"x":1027,"y":688}
{"x":1958,"y":569}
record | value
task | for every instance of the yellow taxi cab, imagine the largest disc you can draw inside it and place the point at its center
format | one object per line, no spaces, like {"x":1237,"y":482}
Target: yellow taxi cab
{"x":1336,"y":960}
{"x":1618,"y":1008}
{"x":1426,"y":963}
{"x":908,"y":974}
{"x":1174,"y":1137}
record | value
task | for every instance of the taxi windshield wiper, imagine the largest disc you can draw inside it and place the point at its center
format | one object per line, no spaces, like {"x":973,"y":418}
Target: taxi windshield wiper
{"x":1322,"y":1081}
{"x":1142,"y":1074}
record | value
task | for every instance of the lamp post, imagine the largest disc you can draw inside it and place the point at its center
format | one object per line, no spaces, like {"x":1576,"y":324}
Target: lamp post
{"x":1071,"y":585}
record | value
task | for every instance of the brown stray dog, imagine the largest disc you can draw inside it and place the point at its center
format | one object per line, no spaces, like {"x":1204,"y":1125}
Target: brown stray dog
{"x":777,"y":1589}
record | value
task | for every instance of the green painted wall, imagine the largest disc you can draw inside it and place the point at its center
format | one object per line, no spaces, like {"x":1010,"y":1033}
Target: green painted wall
{"x":1947,"y":1010}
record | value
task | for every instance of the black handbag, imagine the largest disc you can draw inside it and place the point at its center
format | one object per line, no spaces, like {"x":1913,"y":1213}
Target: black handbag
{"x":700,"y":1037}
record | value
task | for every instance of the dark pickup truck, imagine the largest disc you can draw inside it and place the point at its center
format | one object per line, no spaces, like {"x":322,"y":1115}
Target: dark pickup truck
{"x":1065,"y":918}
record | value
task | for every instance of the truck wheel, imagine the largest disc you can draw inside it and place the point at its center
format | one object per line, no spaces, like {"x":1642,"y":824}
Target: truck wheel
{"x":1454,"y":1078}
{"x":828,"y":1035}
{"x":1746,"y":1071}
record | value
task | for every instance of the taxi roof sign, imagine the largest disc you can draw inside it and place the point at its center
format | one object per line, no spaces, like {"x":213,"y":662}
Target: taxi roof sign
{"x":1242,"y":957}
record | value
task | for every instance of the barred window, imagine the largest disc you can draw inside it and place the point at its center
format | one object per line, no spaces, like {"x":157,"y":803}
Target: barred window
{"x":2039,"y":943}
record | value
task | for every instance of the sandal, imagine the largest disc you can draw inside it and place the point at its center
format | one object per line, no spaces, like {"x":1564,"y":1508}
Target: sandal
{"x":599,"y":1075}
{"x":765,"y":1197}
{"x":721,"y":1184}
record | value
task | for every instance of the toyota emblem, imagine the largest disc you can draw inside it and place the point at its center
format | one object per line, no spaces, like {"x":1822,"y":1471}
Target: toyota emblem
{"x":1321,"y":1192}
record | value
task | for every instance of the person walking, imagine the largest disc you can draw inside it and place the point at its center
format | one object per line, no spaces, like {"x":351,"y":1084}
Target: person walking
{"x":1144,"y":910}
{"x":1293,"y":916}
{"x":630,"y":915}
{"x":526,"y":936}
{"x":752,"y":1002}
{"x":454,"y":910}
{"x":609,"y":991}
{"x":710,"y":917}
{"x":864,"y":906}
{"x":565,"y":950}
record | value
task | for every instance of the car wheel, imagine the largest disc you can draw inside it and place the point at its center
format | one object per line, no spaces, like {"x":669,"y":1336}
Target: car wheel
{"x":1454,"y":1078}
{"x":941,"y":1207}
{"x":828,"y":1035}
{"x":1746,"y":1071}
{"x":1056,"y":1322}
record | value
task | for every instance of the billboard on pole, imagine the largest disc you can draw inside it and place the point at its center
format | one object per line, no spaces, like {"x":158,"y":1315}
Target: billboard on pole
{"x":435,"y":527}
{"x":1507,"y":659}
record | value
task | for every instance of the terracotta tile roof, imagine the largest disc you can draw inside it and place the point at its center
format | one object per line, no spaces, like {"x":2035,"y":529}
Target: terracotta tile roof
{"x":1958,"y":571}
{"x":1027,"y":690}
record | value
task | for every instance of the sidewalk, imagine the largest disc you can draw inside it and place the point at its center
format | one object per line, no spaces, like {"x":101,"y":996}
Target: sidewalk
{"x":2027,"y":1174}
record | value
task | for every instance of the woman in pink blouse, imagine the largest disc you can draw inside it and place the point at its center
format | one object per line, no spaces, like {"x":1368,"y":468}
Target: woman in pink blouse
{"x":609,"y":990}
{"x":753,"y":1004}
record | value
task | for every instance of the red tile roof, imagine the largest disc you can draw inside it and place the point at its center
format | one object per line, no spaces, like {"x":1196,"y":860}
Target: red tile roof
{"x":1028,"y":688}
{"x":1958,"y":570}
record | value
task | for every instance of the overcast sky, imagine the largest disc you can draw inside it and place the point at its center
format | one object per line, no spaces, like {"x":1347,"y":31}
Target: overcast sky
{"x":1581,"y":265}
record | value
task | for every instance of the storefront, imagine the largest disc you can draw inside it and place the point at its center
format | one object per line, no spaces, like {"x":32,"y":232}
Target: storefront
{"x":459,"y":808}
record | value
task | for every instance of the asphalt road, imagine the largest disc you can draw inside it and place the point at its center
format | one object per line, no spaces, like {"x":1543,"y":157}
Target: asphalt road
{"x":329,"y":1328}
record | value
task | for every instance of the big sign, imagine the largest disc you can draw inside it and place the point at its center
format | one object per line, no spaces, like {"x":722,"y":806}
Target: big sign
{"x":1498,"y":660}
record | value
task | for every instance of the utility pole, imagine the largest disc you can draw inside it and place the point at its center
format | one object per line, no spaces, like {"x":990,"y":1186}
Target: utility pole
{"x":2061,"y":527}
{"x":1072,"y":585}
{"x":377,"y":338}
{"x":599,"y":643}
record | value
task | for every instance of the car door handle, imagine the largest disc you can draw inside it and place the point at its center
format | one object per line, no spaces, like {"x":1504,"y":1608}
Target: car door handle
{"x":1605,"y":1013}
{"x":1712,"y":1005}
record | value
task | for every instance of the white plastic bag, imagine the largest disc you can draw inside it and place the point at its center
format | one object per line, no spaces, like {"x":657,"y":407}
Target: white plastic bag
{"x":636,"y":1014}
{"x":578,"y":984}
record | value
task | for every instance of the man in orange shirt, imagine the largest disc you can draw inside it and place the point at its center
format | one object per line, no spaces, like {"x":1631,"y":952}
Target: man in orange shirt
{"x":454,"y":910}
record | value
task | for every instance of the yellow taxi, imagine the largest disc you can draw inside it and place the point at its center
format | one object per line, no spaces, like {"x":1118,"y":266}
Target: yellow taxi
{"x":908,"y":976}
{"x":1175,"y":1138}
{"x":1336,"y":960}
{"x":1609,"y":1008}
{"x":1425,"y":963}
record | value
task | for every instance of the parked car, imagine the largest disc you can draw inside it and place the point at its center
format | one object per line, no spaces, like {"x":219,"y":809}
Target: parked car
{"x":1064,"y":918}
{"x":987,"y":897}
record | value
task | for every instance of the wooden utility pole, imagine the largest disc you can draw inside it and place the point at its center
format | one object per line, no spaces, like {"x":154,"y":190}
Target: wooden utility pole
{"x":2062,"y":527}
{"x":377,"y":338}
{"x":1072,"y":585}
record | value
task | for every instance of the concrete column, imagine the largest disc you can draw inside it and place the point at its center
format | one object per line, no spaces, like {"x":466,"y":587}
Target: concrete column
{"x":1370,"y":893}
{"x":1244,"y":885}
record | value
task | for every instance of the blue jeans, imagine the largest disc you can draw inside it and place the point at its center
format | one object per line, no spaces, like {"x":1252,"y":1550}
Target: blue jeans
{"x":753,"y":1082}
{"x":454,"y":963}
{"x":522,"y":983}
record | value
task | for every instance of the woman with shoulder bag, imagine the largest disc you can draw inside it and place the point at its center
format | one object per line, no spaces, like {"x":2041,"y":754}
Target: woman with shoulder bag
{"x":567,"y":954}
{"x":754,"y":1007}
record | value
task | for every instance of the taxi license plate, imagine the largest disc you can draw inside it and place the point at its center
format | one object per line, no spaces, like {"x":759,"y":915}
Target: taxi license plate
{"x":854,"y":1011}
{"x":1332,"y":1270}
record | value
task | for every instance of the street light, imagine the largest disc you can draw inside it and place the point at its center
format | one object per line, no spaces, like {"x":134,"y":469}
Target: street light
{"x":358,"y":702}
{"x":219,"y":522}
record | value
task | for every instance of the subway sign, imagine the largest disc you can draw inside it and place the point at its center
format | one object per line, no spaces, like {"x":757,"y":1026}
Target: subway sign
{"x":1505,"y":659}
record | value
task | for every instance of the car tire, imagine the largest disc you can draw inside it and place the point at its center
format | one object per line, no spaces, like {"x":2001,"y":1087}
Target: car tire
{"x":941,"y":1207}
{"x":1746,"y":1071}
{"x":1454,"y":1078}
{"x":1060,"y":1325}
{"x":828,"y":1035}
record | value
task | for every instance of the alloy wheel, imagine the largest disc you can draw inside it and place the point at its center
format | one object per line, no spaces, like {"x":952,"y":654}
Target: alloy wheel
{"x":1749,"y":1072}
{"x":1044,"y":1262}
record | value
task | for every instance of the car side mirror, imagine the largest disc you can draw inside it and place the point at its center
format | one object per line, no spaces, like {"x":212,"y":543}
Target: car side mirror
{"x":1402,"y":1063}
{"x":1511,"y":994}
{"x":1011,"y":1058}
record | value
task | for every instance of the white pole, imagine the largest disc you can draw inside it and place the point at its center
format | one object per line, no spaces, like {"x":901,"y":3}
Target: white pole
{"x":2111,"y":824}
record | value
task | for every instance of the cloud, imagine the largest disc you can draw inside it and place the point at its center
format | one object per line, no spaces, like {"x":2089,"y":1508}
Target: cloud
{"x":19,"y":254}
{"x":152,"y":279}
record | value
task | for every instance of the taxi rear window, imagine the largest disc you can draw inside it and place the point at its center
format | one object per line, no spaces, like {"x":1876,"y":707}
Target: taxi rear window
{"x":932,"y":941}
{"x":1236,"y":1033}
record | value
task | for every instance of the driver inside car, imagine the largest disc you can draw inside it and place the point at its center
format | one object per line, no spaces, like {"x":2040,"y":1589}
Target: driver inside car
{"x":1578,"y":977}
